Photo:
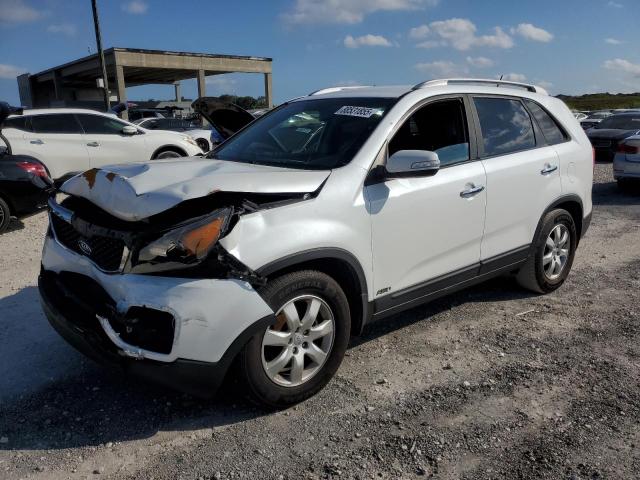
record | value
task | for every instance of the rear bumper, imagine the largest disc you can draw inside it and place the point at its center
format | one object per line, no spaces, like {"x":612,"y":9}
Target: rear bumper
{"x":586,"y":222}
{"x":623,"y":168}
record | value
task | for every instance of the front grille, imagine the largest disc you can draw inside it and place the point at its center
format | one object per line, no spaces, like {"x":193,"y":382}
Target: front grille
{"x":105,"y":252}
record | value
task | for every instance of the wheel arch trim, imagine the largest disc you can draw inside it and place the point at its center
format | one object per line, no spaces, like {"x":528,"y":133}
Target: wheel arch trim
{"x":168,"y":147}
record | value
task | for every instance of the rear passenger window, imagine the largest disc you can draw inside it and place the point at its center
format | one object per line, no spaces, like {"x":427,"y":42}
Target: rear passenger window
{"x":553,"y":134}
{"x":19,"y":123}
{"x":55,"y":123}
{"x":506,"y":126}
{"x":439,"y":127}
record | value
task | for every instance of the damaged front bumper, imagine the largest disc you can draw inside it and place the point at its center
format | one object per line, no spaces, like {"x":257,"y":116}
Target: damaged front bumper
{"x":181,"y":332}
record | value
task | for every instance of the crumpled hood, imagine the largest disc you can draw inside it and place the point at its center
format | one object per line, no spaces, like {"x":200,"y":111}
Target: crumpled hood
{"x":137,"y":191}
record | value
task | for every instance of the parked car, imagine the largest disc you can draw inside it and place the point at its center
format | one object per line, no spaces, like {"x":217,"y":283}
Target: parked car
{"x":230,"y":117}
{"x":580,"y":115}
{"x":593,"y":119}
{"x":333,"y":210}
{"x":69,"y":141}
{"x":626,"y":163}
{"x":136,"y":113}
{"x":606,"y":136}
{"x":25,"y":185}
{"x":201,"y":135}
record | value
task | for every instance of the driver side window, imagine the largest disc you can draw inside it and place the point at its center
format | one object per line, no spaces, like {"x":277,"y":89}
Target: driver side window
{"x":438,"y":127}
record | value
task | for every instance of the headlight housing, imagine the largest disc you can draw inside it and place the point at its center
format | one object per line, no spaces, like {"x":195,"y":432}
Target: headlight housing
{"x":190,"y":140}
{"x":187,"y":244}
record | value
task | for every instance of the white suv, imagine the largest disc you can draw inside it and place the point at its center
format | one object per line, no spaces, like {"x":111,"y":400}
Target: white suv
{"x":332,"y":210}
{"x":69,"y":141}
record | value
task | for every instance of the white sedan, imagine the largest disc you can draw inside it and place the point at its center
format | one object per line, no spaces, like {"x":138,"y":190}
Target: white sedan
{"x":69,"y":140}
{"x":202,"y":136}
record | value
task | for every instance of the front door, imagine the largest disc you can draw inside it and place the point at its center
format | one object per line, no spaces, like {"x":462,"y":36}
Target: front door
{"x":428,"y":227}
{"x":107,"y":144}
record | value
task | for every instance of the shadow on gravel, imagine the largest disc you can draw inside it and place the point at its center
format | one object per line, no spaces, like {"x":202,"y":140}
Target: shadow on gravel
{"x":14,"y":225}
{"x":610,"y":193}
{"x":501,"y":289}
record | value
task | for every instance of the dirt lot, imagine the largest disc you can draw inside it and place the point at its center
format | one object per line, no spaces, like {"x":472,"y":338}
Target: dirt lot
{"x":492,"y":382}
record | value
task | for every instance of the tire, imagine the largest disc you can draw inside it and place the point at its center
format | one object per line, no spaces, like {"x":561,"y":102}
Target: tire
{"x":5,"y":215}
{"x":203,"y":144}
{"x":167,"y":154}
{"x":538,"y":274}
{"x":300,"y":289}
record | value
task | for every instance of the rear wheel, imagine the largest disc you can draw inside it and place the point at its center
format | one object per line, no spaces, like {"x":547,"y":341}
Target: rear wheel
{"x":5,"y":215}
{"x":296,"y":357}
{"x":167,"y":154}
{"x":554,"y":250}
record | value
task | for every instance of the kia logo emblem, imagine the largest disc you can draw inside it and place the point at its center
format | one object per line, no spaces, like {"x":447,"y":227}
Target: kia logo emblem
{"x":85,"y":247}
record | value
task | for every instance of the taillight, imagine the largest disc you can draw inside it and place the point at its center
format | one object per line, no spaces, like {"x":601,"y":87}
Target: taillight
{"x":629,"y":149}
{"x":35,"y":168}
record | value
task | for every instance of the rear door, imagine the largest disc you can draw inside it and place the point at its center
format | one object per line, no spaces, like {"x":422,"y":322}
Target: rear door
{"x":107,"y":144}
{"x":56,"y":140}
{"x":523,"y":177}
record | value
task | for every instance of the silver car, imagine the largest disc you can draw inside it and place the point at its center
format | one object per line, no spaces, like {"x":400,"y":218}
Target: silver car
{"x":626,"y":163}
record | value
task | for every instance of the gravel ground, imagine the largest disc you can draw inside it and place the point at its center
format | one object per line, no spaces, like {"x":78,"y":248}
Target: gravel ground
{"x":492,"y":382}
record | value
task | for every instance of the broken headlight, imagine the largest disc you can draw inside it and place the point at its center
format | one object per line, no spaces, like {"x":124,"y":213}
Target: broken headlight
{"x":189,"y":243}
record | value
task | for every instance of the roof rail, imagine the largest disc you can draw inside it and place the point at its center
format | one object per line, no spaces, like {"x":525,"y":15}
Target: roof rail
{"x":337,"y":89}
{"x":480,"y":81}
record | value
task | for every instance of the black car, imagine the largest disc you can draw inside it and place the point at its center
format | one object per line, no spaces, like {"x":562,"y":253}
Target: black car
{"x":607,"y":134}
{"x":25,"y":185}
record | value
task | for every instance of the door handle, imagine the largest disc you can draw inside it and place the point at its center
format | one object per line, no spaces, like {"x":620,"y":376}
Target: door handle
{"x":548,"y":168}
{"x":36,"y":142}
{"x":93,"y":144}
{"x":471,"y":191}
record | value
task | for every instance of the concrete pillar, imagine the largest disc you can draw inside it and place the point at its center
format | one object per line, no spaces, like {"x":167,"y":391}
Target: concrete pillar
{"x":57,"y":86}
{"x":122,"y":92}
{"x":268,"y":89}
{"x":177,"y":88}
{"x":202,"y":88}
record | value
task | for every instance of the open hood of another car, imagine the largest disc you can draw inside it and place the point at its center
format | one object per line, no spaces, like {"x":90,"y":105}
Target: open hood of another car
{"x":137,"y":191}
{"x":226,"y":118}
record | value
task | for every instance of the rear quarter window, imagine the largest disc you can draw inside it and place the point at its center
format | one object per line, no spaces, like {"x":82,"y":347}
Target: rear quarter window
{"x":551,"y":130}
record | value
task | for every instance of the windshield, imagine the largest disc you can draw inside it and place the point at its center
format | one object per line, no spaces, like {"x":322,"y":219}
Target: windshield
{"x":620,"y":122}
{"x":317,"y":134}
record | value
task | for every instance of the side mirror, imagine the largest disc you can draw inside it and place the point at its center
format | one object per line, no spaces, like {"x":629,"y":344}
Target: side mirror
{"x":412,"y":163}
{"x":129,"y":130}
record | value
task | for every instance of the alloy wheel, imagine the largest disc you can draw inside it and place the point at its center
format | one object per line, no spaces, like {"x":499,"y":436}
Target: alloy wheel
{"x":556,"y":251}
{"x":297,"y":346}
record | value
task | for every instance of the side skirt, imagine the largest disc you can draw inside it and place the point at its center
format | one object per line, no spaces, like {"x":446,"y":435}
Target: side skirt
{"x":449,"y":283}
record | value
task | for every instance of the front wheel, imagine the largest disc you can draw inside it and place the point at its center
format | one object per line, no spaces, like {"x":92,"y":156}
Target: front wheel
{"x":296,"y":357}
{"x":553,"y":251}
{"x":167,"y":154}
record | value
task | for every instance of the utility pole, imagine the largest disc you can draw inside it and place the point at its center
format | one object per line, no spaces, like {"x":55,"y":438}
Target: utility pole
{"x":105,"y":84}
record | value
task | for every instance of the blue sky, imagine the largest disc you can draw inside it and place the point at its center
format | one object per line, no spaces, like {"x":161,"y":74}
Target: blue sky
{"x":568,"y":46}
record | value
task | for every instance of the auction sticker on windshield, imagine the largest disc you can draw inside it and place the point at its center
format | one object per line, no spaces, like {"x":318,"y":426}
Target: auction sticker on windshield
{"x":363,"y":112}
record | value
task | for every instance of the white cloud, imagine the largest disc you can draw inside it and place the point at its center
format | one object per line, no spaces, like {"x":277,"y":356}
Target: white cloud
{"x":135,"y":7}
{"x":480,"y":62}
{"x":18,"y":11}
{"x":514,"y":77}
{"x":419,"y":32}
{"x":613,"y":41}
{"x":623,"y":66}
{"x":63,"y":28}
{"x":366,"y":41}
{"x":442,"y":68}
{"x":460,"y":33}
{"x":10,"y":71}
{"x":544,"y":84}
{"x":533,"y":33}
{"x":347,"y":11}
{"x":613,"y":4}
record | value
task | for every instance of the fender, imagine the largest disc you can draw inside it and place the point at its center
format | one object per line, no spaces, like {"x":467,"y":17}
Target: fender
{"x":327,"y":253}
{"x":584,"y":222}
{"x":168,"y":147}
